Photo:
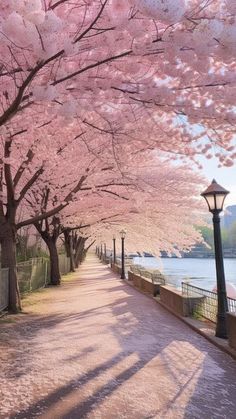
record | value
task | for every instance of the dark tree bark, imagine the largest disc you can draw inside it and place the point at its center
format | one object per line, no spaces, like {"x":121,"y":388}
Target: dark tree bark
{"x":79,"y":253}
{"x":50,"y":238}
{"x":72,"y":256}
{"x":74,"y":245}
{"x":66,"y":241}
{"x":69,"y":248}
{"x":8,"y":260}
{"x":55,"y":276}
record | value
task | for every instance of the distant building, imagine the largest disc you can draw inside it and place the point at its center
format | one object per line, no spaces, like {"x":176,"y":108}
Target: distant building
{"x":229,"y":216}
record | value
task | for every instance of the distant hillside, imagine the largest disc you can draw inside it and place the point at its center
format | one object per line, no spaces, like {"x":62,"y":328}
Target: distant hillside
{"x":229,"y":216}
{"x":228,"y":234}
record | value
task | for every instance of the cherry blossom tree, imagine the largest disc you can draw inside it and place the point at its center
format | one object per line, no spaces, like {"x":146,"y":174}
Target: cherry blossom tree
{"x":37,"y":182}
{"x":122,"y":77}
{"x":109,"y":193}
{"x":76,"y":247}
{"x":164,"y":65}
{"x":27,"y":169}
{"x":95,"y":189}
{"x":159,"y":213}
{"x":158,"y":205}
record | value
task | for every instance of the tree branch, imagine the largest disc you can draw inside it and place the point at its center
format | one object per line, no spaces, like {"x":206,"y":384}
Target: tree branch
{"x":115,"y":194}
{"x":7,"y":172}
{"x":17,"y":101}
{"x":55,"y":210}
{"x":92,"y":23}
{"x":88,"y":67}
{"x":29,"y":184}
{"x":24,"y":164}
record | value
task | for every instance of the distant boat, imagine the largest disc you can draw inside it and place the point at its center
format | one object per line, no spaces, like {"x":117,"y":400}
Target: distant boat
{"x":132,"y":255}
{"x":148,"y":255}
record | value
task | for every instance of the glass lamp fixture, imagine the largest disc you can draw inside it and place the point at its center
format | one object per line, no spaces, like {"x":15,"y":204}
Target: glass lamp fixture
{"x":122,"y":234}
{"x":215,"y":196}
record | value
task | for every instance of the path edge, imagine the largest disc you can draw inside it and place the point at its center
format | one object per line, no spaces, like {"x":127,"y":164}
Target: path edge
{"x":219,"y":343}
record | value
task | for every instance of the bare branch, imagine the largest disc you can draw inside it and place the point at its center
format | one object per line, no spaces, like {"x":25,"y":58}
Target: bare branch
{"x":29,"y":184}
{"x":24,"y":164}
{"x":55,"y":210}
{"x":88,"y":67}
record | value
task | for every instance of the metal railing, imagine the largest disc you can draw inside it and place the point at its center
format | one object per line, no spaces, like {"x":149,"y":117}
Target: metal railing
{"x":206,"y":306}
{"x":33,"y":274}
{"x":4,"y":288}
{"x":154,"y":275}
{"x":231,"y":305}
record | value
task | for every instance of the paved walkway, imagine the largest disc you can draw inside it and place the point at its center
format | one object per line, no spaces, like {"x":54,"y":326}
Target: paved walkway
{"x":102,"y":350}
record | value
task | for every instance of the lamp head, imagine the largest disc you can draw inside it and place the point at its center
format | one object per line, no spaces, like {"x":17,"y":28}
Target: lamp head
{"x":215,"y":196}
{"x":122,"y":234}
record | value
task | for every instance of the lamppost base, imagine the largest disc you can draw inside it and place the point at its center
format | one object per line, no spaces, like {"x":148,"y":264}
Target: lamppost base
{"x":122,"y":276}
{"x":221,"y":327}
{"x":220,"y":336}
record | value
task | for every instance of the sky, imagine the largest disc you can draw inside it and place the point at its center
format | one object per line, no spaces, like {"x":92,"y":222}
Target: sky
{"x":225,"y":176}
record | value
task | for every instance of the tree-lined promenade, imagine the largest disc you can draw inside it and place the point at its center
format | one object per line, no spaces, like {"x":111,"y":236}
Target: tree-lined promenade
{"x":110,"y":352}
{"x":100,"y":103}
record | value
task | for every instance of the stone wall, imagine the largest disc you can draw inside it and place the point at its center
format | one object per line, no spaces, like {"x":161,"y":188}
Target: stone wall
{"x":174,"y":299}
{"x":116,"y":268}
{"x":144,"y":284}
{"x":178,"y":303}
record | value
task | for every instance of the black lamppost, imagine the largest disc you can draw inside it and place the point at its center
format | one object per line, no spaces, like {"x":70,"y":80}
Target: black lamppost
{"x":122,"y":235}
{"x":215,"y":196}
{"x":114,"y":249}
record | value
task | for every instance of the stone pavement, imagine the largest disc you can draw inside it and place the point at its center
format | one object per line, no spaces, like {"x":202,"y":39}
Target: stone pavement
{"x":102,"y":350}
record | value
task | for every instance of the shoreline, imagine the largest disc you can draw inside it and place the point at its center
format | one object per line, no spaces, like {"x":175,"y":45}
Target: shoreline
{"x":198,"y":271}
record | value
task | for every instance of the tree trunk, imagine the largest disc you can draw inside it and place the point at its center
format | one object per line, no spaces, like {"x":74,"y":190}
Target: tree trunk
{"x":72,"y":257}
{"x":68,"y":241}
{"x":51,"y":242}
{"x":8,"y":260}
{"x":79,"y":251}
{"x":55,"y":276}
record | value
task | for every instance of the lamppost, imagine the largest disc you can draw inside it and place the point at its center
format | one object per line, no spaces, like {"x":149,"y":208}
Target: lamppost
{"x":215,"y":196}
{"x":114,"y":249}
{"x":122,"y":235}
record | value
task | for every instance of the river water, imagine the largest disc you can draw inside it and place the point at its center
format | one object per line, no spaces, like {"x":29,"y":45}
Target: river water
{"x":198,"y":272}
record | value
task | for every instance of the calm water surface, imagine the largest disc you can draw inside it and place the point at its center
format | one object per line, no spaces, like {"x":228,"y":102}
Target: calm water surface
{"x":199,"y":272}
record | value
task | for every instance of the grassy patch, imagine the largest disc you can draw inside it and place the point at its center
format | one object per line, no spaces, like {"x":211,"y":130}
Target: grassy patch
{"x":7,"y":319}
{"x":197,"y":316}
{"x":69,"y":277}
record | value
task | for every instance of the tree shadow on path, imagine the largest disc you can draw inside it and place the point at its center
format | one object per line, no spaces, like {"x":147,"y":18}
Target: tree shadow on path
{"x":158,"y":367}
